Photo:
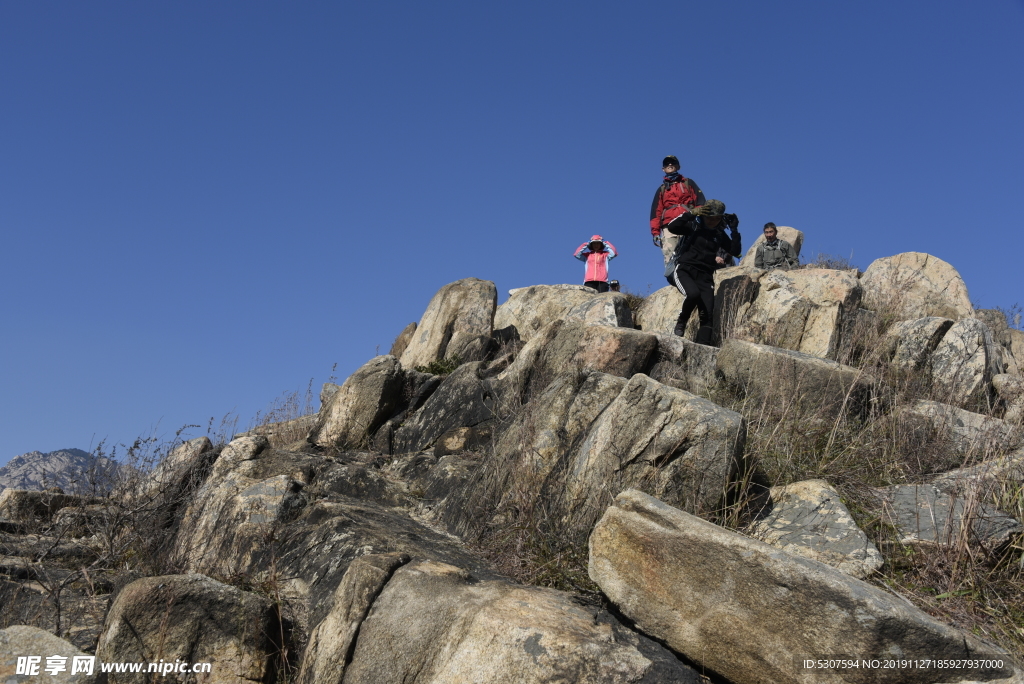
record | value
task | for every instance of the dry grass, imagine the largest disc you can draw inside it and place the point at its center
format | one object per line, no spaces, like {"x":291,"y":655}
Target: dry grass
{"x":960,"y":582}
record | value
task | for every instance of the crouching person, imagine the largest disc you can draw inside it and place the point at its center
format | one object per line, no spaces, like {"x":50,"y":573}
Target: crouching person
{"x":775,"y":252}
{"x":695,"y":260}
{"x":596,"y":253}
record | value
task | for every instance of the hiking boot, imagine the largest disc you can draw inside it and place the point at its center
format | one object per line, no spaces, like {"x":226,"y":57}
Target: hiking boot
{"x":703,"y":335}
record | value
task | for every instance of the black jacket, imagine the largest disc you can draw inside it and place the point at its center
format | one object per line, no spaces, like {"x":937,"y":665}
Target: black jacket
{"x":700,"y":244}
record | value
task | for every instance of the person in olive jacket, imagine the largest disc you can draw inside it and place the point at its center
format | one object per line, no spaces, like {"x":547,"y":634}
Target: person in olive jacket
{"x":696,"y":258}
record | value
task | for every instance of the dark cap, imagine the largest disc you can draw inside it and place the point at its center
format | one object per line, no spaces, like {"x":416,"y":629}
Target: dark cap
{"x":712,"y":208}
{"x":670,"y":159}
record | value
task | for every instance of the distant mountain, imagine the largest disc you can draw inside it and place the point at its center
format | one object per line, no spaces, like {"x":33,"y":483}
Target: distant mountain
{"x":73,"y":470}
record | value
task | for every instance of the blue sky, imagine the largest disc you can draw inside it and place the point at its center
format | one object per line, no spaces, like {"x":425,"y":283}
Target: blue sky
{"x":205,"y":205}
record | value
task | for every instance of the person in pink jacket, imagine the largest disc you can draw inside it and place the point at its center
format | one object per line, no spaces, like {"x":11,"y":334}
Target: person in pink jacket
{"x":596,"y":253}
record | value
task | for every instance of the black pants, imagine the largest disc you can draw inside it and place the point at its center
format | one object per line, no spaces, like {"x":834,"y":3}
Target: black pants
{"x":598,"y":285}
{"x":698,"y":290}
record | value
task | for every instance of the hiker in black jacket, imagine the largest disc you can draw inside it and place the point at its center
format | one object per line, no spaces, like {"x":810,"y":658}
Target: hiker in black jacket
{"x":697,"y":257}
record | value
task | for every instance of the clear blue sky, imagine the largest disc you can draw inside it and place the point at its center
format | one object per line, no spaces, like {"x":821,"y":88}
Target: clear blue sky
{"x":206,"y":204}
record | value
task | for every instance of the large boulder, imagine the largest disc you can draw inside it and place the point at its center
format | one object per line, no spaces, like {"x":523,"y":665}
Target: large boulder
{"x":223,"y":527}
{"x":966,"y":360}
{"x":666,"y":441}
{"x":808,"y":519}
{"x":529,"y":309}
{"x":791,"y":235}
{"x":753,"y":613}
{"x":456,"y":321}
{"x":660,"y":311}
{"x":55,"y":660}
{"x":571,"y":344}
{"x":915,"y":285}
{"x":804,"y":310}
{"x":368,"y":398}
{"x":194,"y":619}
{"x":607,"y":309}
{"x":616,"y":351}
{"x":784,"y":377}
{"x":434,"y":623}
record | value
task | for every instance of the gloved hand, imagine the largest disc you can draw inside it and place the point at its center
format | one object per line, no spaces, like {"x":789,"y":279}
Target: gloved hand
{"x":732,"y":221}
{"x":657,"y":241}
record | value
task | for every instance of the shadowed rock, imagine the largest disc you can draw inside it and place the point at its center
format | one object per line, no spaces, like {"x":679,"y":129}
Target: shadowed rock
{"x":369,"y":397}
{"x":909,"y":344}
{"x":924,"y":513}
{"x":463,"y":399}
{"x":401,"y":342}
{"x":330,"y":645}
{"x":195,"y":619}
{"x":683,"y":364}
{"x":966,"y":359}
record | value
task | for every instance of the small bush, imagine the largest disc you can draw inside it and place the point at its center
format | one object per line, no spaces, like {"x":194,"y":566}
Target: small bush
{"x":441,"y":367}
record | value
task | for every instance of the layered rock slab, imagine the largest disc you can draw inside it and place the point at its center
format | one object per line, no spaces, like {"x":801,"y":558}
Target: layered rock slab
{"x":749,"y":611}
{"x":785,"y":377}
{"x":808,"y":519}
{"x":926,"y":514}
{"x":588,"y":436}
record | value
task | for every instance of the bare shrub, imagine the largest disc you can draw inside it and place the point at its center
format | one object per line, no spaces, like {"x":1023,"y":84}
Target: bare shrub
{"x":288,"y":418}
{"x":635,"y":301}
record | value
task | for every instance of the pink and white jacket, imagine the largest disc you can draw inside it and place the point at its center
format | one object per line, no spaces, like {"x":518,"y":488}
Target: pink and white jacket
{"x":597,"y":262}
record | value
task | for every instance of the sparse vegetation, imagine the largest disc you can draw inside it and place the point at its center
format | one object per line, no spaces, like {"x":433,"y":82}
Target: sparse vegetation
{"x":834,"y":261}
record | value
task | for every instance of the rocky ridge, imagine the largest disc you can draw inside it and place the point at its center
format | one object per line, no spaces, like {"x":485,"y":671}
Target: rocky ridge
{"x":69,"y":469}
{"x":583,"y":498}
